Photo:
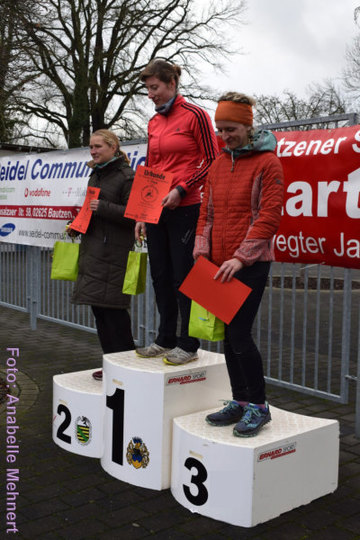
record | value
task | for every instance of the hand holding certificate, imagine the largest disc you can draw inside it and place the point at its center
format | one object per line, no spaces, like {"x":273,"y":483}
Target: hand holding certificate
{"x":149,"y":188}
{"x":82,"y":220}
{"x":221,"y":299}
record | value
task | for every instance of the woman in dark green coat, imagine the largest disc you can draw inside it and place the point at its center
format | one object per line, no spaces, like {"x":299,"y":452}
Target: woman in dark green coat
{"x":105,"y":245}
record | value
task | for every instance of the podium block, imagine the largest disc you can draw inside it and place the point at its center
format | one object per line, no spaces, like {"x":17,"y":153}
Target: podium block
{"x":78,"y":410}
{"x":143,"y":395}
{"x":246,"y":481}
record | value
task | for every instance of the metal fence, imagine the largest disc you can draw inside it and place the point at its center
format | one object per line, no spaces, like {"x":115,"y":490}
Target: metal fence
{"x":307,"y":328}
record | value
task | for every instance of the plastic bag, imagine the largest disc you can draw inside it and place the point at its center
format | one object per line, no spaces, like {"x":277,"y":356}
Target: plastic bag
{"x":204,"y":325}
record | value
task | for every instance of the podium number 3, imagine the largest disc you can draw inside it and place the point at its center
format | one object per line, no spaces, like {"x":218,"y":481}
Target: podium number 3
{"x":198,"y":480}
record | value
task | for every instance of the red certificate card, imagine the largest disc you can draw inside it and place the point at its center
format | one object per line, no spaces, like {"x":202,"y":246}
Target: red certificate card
{"x":149,"y":188}
{"x":221,"y":299}
{"x":82,"y":220}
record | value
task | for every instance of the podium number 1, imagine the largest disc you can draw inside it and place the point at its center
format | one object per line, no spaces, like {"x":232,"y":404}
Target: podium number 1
{"x":116,"y":404}
{"x":198,"y":480}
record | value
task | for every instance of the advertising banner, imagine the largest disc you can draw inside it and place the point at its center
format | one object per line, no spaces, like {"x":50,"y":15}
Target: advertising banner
{"x":321,"y":212}
{"x":39,"y":193}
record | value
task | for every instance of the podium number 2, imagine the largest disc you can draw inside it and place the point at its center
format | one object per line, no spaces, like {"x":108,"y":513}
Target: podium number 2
{"x":64,"y":425}
{"x":198,"y":480}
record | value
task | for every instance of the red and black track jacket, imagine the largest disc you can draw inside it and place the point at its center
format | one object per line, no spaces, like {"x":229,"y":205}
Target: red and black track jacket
{"x":184,"y":143}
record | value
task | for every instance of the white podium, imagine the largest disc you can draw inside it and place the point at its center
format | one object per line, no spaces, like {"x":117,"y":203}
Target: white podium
{"x":245,"y":481}
{"x":78,"y":410}
{"x":143,"y":396}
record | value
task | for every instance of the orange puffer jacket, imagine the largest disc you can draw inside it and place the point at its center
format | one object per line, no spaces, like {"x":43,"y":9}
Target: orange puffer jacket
{"x":241,"y":208}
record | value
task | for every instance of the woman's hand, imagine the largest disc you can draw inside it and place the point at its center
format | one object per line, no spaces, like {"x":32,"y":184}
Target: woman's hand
{"x":140,"y":231}
{"x":94,"y":204}
{"x":228,"y":269}
{"x":172,"y":199}
{"x":71,"y":232}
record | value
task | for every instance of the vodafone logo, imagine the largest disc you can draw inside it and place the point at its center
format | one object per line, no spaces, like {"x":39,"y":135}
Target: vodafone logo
{"x":277,"y":452}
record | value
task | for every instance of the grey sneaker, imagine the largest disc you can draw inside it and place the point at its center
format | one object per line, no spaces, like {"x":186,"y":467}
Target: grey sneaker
{"x":152,"y":351}
{"x":177,"y":357}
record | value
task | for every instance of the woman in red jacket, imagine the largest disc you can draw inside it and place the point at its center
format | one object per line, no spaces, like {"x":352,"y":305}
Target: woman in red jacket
{"x":181,"y":140}
{"x":239,"y":215}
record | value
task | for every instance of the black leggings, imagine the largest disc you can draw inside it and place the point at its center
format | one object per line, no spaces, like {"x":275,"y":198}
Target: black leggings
{"x":170,"y":245}
{"x":114,"y":329}
{"x":243,"y":359}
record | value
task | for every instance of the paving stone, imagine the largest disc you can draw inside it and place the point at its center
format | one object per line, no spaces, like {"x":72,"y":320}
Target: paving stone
{"x":287,"y":531}
{"x":159,"y":503}
{"x":126,"y":515}
{"x":82,"y":529}
{"x":335,"y":534}
{"x":346,"y":507}
{"x":319,"y":519}
{"x":176,"y":535}
{"x":40,"y":528}
{"x":352,"y":524}
{"x":200,"y":524}
{"x":44,"y":508}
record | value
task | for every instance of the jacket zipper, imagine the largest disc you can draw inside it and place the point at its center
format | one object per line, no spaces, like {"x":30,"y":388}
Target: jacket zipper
{"x":227,"y":198}
{"x":98,"y":184}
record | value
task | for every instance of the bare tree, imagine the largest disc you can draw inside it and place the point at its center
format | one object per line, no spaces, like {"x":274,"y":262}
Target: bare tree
{"x":87,"y":56}
{"x":351,"y":72}
{"x":322,"y":100}
{"x":15,"y":71}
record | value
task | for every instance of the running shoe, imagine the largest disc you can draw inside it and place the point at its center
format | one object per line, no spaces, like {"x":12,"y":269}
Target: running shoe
{"x":177,"y":357}
{"x":152,"y":351}
{"x":254,"y":418}
{"x":230,"y":414}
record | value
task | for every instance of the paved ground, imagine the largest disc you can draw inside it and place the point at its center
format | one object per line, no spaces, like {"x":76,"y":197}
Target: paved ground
{"x":62,"y":495}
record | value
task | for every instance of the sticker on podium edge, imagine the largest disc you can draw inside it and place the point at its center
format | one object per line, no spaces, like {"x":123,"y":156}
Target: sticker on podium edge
{"x":137,"y":454}
{"x":83,"y":430}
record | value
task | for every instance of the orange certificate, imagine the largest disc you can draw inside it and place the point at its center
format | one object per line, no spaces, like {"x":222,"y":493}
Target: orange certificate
{"x":222,"y":299}
{"x":149,"y":188}
{"x":82,"y":220}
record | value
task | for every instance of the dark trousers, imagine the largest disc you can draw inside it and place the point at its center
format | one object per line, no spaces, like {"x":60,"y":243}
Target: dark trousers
{"x":114,"y":329}
{"x":243,"y":359}
{"x":170,"y":246}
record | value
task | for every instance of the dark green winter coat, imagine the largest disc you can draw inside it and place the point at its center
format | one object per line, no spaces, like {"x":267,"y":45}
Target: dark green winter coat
{"x":105,"y":246}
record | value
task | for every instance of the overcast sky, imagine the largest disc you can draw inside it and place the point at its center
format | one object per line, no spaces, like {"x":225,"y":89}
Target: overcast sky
{"x":289,"y":44}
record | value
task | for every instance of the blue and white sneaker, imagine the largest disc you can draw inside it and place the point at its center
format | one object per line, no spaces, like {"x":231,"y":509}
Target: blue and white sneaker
{"x":254,"y":418}
{"x":230,"y":414}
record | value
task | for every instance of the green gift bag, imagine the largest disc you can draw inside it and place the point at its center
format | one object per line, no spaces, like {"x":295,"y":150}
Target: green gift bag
{"x":204,"y":325}
{"x":65,"y":261}
{"x":135,"y":275}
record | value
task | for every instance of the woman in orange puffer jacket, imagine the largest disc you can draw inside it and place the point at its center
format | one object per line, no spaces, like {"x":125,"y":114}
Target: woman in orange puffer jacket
{"x":239,"y":215}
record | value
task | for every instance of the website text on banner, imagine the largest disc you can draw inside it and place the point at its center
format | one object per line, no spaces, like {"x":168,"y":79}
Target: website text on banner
{"x":40,"y":193}
{"x":321,"y":214}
